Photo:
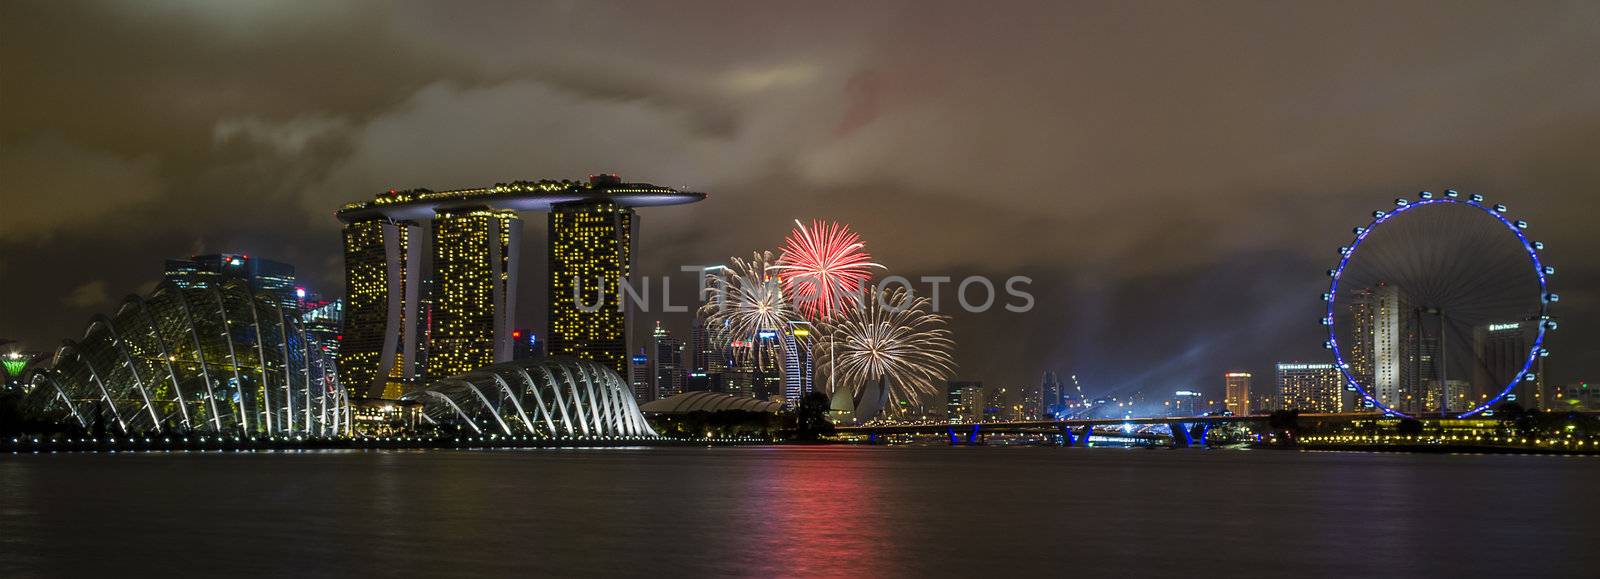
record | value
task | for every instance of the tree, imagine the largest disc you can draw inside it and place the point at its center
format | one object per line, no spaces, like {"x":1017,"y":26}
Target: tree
{"x":1518,"y":420}
{"x":1409,"y":427}
{"x":1509,"y":411}
{"x":1286,"y":422}
{"x":812,"y":417}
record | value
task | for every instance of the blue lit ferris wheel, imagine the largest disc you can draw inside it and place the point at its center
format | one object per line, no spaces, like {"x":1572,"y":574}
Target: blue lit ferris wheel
{"x":1439,"y":307}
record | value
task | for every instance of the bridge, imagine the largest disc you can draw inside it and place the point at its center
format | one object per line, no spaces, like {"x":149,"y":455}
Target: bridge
{"x":1186,"y":430}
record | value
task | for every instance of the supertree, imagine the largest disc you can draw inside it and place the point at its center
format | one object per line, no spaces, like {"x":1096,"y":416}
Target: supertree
{"x":889,"y":336}
{"x":824,"y":268}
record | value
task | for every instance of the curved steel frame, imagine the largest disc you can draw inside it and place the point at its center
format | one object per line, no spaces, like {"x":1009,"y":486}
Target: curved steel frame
{"x":552,"y":397}
{"x":114,"y":363}
{"x":1381,"y":217}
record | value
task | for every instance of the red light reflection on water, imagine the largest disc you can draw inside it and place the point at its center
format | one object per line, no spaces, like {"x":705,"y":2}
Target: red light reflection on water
{"x":818,"y":511}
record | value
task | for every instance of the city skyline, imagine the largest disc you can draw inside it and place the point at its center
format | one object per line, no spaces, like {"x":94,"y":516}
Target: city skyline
{"x":711,"y":288}
{"x":1220,"y":279}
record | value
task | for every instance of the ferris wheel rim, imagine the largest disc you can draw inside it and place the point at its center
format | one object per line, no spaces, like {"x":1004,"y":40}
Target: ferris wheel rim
{"x":1402,"y":206}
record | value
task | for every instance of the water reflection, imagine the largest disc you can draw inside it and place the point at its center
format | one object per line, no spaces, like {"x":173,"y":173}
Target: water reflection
{"x":797,"y":511}
{"x":818,"y":513}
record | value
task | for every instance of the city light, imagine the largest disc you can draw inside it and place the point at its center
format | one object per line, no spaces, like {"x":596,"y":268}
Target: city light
{"x":466,"y":345}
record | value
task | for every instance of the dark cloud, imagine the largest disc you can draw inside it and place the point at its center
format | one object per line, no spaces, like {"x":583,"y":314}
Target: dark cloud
{"x":1173,"y":176}
{"x":89,"y":295}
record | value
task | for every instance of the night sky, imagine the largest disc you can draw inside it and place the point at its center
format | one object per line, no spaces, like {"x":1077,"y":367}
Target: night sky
{"x":1175,"y":177}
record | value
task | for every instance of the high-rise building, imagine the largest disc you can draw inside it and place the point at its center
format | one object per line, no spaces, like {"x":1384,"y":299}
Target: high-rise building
{"x":474,"y":289}
{"x":700,"y":351}
{"x":591,"y":254}
{"x":474,"y":274}
{"x":1424,"y":392}
{"x":1502,"y":350}
{"x":700,"y":355}
{"x":1310,"y":387}
{"x":964,"y":401}
{"x":323,"y":321}
{"x":798,"y":372}
{"x":1359,"y":353}
{"x":763,"y":359}
{"x":1032,"y":402}
{"x":265,"y":276}
{"x":1236,"y":393}
{"x":1050,"y":392}
{"x":1185,"y":403}
{"x":424,"y":330}
{"x":640,"y":378}
{"x":997,"y":404}
{"x":667,"y":370}
{"x":1390,"y":350}
{"x":187,"y":273}
{"x":382,"y":260}
{"x":739,"y":381}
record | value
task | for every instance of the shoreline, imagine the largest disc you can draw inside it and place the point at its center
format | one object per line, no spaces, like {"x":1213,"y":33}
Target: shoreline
{"x":1440,"y":449}
{"x":41,"y":445}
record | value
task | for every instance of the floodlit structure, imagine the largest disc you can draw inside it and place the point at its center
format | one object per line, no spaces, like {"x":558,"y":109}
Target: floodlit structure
{"x":474,"y":244}
{"x":564,"y":397}
{"x":223,"y":359}
{"x":1416,"y":294}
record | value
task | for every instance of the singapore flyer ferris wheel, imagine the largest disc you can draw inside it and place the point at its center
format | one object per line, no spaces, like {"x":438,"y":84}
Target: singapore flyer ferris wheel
{"x":1440,"y":307}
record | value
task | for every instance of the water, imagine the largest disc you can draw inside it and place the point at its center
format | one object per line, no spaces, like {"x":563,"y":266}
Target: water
{"x":799,"y":511}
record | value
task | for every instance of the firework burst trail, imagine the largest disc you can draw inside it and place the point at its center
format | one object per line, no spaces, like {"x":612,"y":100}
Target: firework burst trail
{"x":824,"y":268}
{"x":745,"y":299}
{"x":890,"y":335}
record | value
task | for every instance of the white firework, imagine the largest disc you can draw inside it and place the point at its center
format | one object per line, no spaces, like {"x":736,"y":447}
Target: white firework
{"x":892,"y":336}
{"x":744,"y":300}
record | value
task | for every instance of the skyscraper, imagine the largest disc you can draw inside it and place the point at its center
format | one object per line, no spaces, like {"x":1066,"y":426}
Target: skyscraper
{"x":700,"y":376}
{"x":700,"y":352}
{"x":474,"y":273}
{"x":667,"y":370}
{"x":1185,"y":403}
{"x":964,"y":401}
{"x":1390,"y":348}
{"x":763,"y":361}
{"x":591,"y":253}
{"x":1050,"y":392}
{"x":1501,"y":350}
{"x":474,"y":289}
{"x":1363,"y":312}
{"x":382,"y":259}
{"x":265,"y":276}
{"x":798,"y":372}
{"x":1236,"y":393}
{"x":323,"y":321}
{"x":1032,"y":402}
{"x":1310,"y":387}
{"x":424,"y":329}
{"x":640,"y":378}
{"x":996,"y":404}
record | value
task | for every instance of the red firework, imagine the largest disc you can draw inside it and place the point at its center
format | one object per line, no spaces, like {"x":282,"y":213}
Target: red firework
{"x":824,"y":268}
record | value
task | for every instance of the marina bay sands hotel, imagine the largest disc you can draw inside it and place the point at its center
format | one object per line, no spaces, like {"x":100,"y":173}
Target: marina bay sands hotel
{"x":472,"y":285}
